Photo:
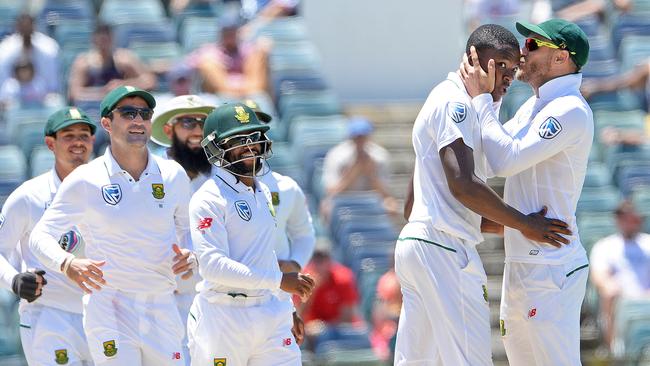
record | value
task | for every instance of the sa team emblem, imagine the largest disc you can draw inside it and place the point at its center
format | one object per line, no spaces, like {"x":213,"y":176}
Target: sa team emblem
{"x":158,"y":191}
{"x":485,"y":293}
{"x":275,"y":198}
{"x":457,"y":111}
{"x":243,"y":210}
{"x":502,"y":327}
{"x":241,"y":115}
{"x":549,"y":128}
{"x":220,"y":361}
{"x":109,"y":348}
{"x":112,"y":194}
{"x":61,"y":356}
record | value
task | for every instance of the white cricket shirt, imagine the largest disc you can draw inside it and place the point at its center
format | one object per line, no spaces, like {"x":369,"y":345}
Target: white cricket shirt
{"x":20,"y":213}
{"x":295,"y":238}
{"x":130,"y":224}
{"x":543,"y":152}
{"x":233,"y":230}
{"x":447,"y":115}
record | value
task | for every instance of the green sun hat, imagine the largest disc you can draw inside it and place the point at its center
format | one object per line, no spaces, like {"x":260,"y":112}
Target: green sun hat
{"x":562,"y":33}
{"x":114,"y":96}
{"x":68,"y":116}
{"x":181,"y":105}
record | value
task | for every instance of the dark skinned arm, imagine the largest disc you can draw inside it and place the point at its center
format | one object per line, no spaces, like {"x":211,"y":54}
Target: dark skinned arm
{"x":408,"y":202}
{"x":466,"y":187}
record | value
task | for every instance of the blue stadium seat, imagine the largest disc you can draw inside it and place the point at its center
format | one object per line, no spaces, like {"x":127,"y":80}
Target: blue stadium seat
{"x":125,"y":35}
{"x":40,"y":161}
{"x":127,"y":11}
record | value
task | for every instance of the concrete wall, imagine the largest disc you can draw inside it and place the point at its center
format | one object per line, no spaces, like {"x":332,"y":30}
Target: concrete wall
{"x":379,"y":50}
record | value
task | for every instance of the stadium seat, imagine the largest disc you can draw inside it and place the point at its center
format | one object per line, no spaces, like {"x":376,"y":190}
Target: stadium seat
{"x":197,"y":31}
{"x":40,"y":161}
{"x":127,"y":11}
{"x":597,"y":176}
{"x":126,"y":35}
{"x":599,"y":199}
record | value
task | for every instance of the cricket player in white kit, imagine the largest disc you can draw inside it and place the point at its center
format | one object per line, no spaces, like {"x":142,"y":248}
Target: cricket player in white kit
{"x":132,"y":210}
{"x":445,"y":314}
{"x":51,"y":329}
{"x":178,"y":125}
{"x":295,"y":238}
{"x":543,"y":152}
{"x":236,"y":318}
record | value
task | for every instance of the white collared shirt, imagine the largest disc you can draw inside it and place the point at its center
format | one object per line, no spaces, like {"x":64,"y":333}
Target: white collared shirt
{"x":543,"y":152}
{"x":20,"y":213}
{"x":447,"y":115}
{"x":233,"y":230}
{"x":130,"y":224}
{"x":295,"y":238}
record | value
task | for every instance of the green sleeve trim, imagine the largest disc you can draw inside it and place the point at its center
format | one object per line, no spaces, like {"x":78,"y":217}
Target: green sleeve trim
{"x":577,"y":269}
{"x":428,"y":242}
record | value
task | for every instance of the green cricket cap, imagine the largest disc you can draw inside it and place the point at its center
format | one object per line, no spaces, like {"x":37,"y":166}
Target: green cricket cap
{"x":114,"y":96}
{"x":68,"y":116}
{"x":562,"y":33}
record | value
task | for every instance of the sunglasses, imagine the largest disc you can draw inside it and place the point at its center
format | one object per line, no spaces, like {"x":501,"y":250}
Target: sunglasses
{"x":190,"y":123}
{"x":130,"y":113}
{"x":533,"y":44}
{"x":239,"y":140}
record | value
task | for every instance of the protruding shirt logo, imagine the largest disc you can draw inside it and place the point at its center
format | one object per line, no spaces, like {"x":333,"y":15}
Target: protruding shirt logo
{"x":112,"y":194}
{"x":243,"y":210}
{"x":549,"y":128}
{"x":158,"y":191}
{"x":110,"y":349}
{"x":457,"y":111}
{"x":70,"y":241}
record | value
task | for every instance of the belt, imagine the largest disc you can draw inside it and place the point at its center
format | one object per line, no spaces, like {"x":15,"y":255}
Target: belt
{"x":235,"y":298}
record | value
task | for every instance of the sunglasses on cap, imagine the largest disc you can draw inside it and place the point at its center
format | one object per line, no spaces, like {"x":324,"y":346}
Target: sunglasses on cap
{"x":533,"y":44}
{"x":190,"y":123}
{"x":131,"y":113}
{"x":239,"y":140}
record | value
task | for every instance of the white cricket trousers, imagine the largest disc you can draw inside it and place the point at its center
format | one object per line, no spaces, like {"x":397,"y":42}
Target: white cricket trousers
{"x":445,"y":313}
{"x":540,"y":312}
{"x":241,"y":331}
{"x":133,"y":329}
{"x":53,"y":336}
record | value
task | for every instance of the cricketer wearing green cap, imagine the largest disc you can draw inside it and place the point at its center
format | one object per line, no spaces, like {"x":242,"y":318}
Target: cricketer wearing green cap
{"x":49,"y":297}
{"x":543,"y":153}
{"x":131,"y":208}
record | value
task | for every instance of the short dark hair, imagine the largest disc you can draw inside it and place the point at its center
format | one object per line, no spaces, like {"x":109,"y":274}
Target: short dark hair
{"x":492,"y":36}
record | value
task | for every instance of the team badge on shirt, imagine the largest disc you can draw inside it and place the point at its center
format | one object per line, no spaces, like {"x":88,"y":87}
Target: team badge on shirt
{"x":485,"y":293}
{"x":275,"y":198}
{"x":70,"y":241}
{"x":61,"y":356}
{"x":109,"y":348}
{"x":112,"y":194}
{"x":241,"y":115}
{"x":549,"y":128}
{"x":243,"y":210}
{"x":502,"y":327}
{"x":158,"y":191}
{"x":220,"y":361}
{"x":457,"y":111}
{"x":204,"y":223}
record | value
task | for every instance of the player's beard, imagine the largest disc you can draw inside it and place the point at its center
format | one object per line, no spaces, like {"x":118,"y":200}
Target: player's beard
{"x":193,"y":161}
{"x":242,"y":167}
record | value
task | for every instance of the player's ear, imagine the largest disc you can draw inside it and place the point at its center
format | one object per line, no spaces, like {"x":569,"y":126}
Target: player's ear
{"x":167,"y":130}
{"x":49,"y":142}
{"x":106,"y":123}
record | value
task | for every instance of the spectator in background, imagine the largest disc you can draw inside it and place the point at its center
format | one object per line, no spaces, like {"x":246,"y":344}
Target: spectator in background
{"x":620,"y":265}
{"x":231,"y":67}
{"x":25,"y":88}
{"x":637,"y":79}
{"x":42,"y":50}
{"x":103,"y":68}
{"x":334,"y":299}
{"x":385,"y":314}
{"x":357,"y":164}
